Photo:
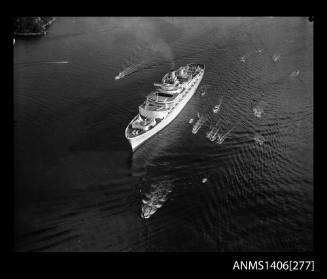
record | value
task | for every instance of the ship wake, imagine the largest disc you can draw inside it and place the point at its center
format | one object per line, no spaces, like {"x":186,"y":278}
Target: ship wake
{"x":132,"y":69}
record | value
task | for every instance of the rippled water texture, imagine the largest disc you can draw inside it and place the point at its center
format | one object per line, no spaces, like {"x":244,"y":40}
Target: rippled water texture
{"x":78,"y":187}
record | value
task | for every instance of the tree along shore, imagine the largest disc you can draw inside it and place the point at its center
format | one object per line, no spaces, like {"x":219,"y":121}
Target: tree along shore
{"x":32,"y":26}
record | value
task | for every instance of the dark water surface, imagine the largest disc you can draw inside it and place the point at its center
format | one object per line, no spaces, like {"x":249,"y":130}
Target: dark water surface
{"x":78,"y":187}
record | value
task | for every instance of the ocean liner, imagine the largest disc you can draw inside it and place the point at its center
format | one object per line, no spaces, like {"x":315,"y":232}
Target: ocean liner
{"x":164,"y":104}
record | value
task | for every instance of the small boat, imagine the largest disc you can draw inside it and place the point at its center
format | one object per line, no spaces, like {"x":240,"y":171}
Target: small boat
{"x":217,"y":107}
{"x":276,"y":57}
{"x":196,"y":126}
{"x":191,"y":121}
{"x":204,"y":180}
{"x":212,"y":135}
{"x":295,"y":73}
{"x":221,"y":138}
{"x":242,"y":59}
{"x":259,"y":139}
{"x":258,"y":112}
{"x":119,"y":76}
{"x":209,"y":135}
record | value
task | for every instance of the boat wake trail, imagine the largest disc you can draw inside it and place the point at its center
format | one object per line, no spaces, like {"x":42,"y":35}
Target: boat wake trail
{"x":58,"y":62}
{"x":132,"y":69}
{"x":26,"y":64}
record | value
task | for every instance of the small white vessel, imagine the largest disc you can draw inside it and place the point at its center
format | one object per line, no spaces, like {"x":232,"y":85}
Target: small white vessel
{"x":217,"y":107}
{"x":198,"y":124}
{"x":295,"y":73}
{"x":164,"y":104}
{"x":119,"y":76}
{"x":258,"y":112}
{"x":191,"y":121}
{"x":196,"y":127}
{"x":259,"y":139}
{"x":214,"y":135}
{"x":276,"y":57}
{"x":242,"y":59}
{"x":129,"y":70}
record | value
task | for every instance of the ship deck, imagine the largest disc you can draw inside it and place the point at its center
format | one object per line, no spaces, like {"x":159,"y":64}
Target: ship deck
{"x":130,"y":130}
{"x":154,"y":107}
{"x":158,"y":97}
{"x":161,"y":101}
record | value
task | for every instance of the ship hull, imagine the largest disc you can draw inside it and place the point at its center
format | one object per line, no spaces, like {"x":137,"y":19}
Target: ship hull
{"x":137,"y":141}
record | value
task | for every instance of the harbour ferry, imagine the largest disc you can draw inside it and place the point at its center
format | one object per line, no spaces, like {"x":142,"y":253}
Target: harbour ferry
{"x":164,"y":104}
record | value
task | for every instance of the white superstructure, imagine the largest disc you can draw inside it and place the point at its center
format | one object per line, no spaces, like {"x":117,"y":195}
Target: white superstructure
{"x":164,"y":104}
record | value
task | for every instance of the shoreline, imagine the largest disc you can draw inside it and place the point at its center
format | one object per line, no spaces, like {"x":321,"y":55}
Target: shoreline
{"x":50,"y":22}
{"x":36,"y":33}
{"x":30,"y":34}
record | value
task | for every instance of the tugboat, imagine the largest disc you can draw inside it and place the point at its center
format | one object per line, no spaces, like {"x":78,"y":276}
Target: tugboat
{"x":164,"y":104}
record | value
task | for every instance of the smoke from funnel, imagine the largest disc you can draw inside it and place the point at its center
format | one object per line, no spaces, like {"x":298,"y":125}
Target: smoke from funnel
{"x":147,"y":34}
{"x":164,"y":49}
